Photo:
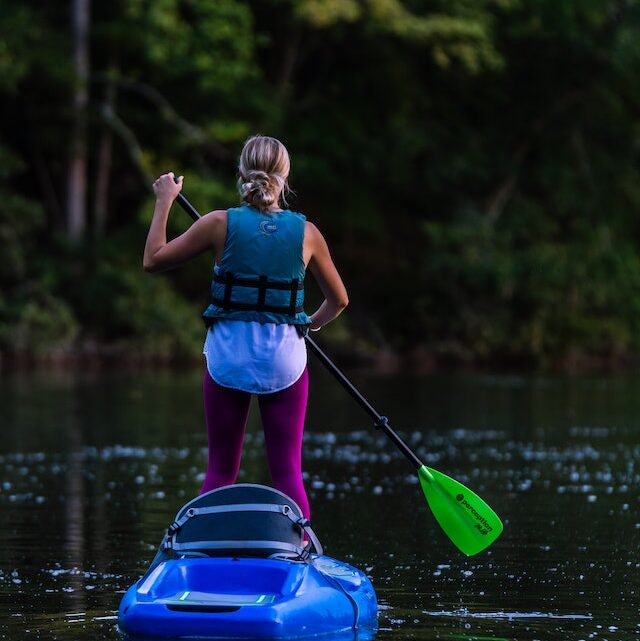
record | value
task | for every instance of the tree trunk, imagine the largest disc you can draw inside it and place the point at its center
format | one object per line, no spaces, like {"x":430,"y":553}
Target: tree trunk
{"x":77,"y":185}
{"x":103,"y":171}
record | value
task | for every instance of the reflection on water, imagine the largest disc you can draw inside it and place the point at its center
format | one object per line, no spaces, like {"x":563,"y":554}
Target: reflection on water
{"x":94,"y":468}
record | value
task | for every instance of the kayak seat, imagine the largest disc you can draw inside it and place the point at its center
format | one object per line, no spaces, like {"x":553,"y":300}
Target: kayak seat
{"x":244,"y":519}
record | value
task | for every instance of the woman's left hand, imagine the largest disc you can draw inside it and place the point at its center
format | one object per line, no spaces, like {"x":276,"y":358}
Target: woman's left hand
{"x":166,"y":188}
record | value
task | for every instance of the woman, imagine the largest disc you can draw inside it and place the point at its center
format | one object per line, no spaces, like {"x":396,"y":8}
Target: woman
{"x":256,"y":321}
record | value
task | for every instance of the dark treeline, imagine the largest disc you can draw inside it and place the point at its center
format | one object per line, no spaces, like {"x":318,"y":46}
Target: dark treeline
{"x":473,"y":163}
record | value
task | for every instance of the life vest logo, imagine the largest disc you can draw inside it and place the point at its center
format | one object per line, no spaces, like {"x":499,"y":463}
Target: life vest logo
{"x":482,"y":525}
{"x":268,"y":227}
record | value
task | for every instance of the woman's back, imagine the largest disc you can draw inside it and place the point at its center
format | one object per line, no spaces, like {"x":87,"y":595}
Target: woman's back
{"x":260,"y":274}
{"x":259,"y":243}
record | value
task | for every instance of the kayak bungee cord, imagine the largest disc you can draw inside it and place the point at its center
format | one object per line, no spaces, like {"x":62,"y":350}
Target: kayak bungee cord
{"x":466,"y":519}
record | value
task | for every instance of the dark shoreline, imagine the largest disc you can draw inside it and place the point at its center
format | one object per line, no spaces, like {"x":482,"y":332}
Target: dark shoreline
{"x":380,"y":361}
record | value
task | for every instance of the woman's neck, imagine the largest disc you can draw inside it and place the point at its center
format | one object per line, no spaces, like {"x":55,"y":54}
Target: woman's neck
{"x":272,"y":210}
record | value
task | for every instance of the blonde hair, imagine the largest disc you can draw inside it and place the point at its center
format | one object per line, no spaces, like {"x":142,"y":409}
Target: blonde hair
{"x":262,"y":172}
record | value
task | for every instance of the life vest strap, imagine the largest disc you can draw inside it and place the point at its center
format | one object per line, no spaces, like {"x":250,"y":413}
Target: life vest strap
{"x":262,"y":284}
{"x":227,"y":278}
{"x":253,"y":307}
{"x":294,"y":296}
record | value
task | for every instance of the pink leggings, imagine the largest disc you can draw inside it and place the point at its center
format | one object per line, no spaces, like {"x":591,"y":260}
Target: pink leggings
{"x":282,"y":413}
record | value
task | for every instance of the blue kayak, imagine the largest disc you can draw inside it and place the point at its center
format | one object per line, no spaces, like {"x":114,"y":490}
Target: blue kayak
{"x":236,"y":564}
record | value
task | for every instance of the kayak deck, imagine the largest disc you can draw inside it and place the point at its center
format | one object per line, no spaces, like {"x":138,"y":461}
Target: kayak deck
{"x":234,"y":598}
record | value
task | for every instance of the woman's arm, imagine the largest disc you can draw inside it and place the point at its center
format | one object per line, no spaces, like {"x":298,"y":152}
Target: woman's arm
{"x":327,"y":277}
{"x":160,"y":255}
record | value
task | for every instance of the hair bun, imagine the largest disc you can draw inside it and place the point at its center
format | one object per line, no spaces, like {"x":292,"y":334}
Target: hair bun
{"x":263,"y":171}
{"x":257,"y":188}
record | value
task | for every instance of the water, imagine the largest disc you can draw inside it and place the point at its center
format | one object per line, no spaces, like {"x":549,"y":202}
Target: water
{"x":94,"y":466}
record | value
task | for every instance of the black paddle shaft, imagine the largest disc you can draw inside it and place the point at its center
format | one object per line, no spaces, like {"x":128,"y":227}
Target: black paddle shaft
{"x":188,"y":207}
{"x":381,"y":422}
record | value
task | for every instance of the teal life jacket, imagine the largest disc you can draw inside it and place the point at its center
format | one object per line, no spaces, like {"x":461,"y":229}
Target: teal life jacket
{"x":261,"y":273}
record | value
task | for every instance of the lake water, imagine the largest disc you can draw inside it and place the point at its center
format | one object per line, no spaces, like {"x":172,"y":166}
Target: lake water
{"x":95,"y":465}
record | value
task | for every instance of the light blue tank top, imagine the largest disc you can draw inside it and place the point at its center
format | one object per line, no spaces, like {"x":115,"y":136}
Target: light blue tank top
{"x":259,"y":358}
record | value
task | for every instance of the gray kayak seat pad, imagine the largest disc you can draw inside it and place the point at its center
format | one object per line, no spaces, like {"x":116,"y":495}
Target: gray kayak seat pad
{"x":242,"y":519}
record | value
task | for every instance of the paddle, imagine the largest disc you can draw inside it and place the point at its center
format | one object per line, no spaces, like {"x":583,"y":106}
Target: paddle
{"x":466,"y":519}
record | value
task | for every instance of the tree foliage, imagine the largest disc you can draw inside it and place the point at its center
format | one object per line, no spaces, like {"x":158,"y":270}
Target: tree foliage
{"x":473,"y":161}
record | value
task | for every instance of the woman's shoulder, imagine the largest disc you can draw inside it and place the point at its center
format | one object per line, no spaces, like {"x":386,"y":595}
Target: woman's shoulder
{"x":214,"y":225}
{"x":311,"y":230}
{"x":216,"y":218}
{"x":218,"y":214}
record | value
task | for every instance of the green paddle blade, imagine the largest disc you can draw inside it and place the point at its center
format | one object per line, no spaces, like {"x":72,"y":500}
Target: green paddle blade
{"x":466,"y":519}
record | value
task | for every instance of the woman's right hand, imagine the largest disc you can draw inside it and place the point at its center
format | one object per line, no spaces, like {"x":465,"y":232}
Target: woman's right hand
{"x":166,"y":188}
